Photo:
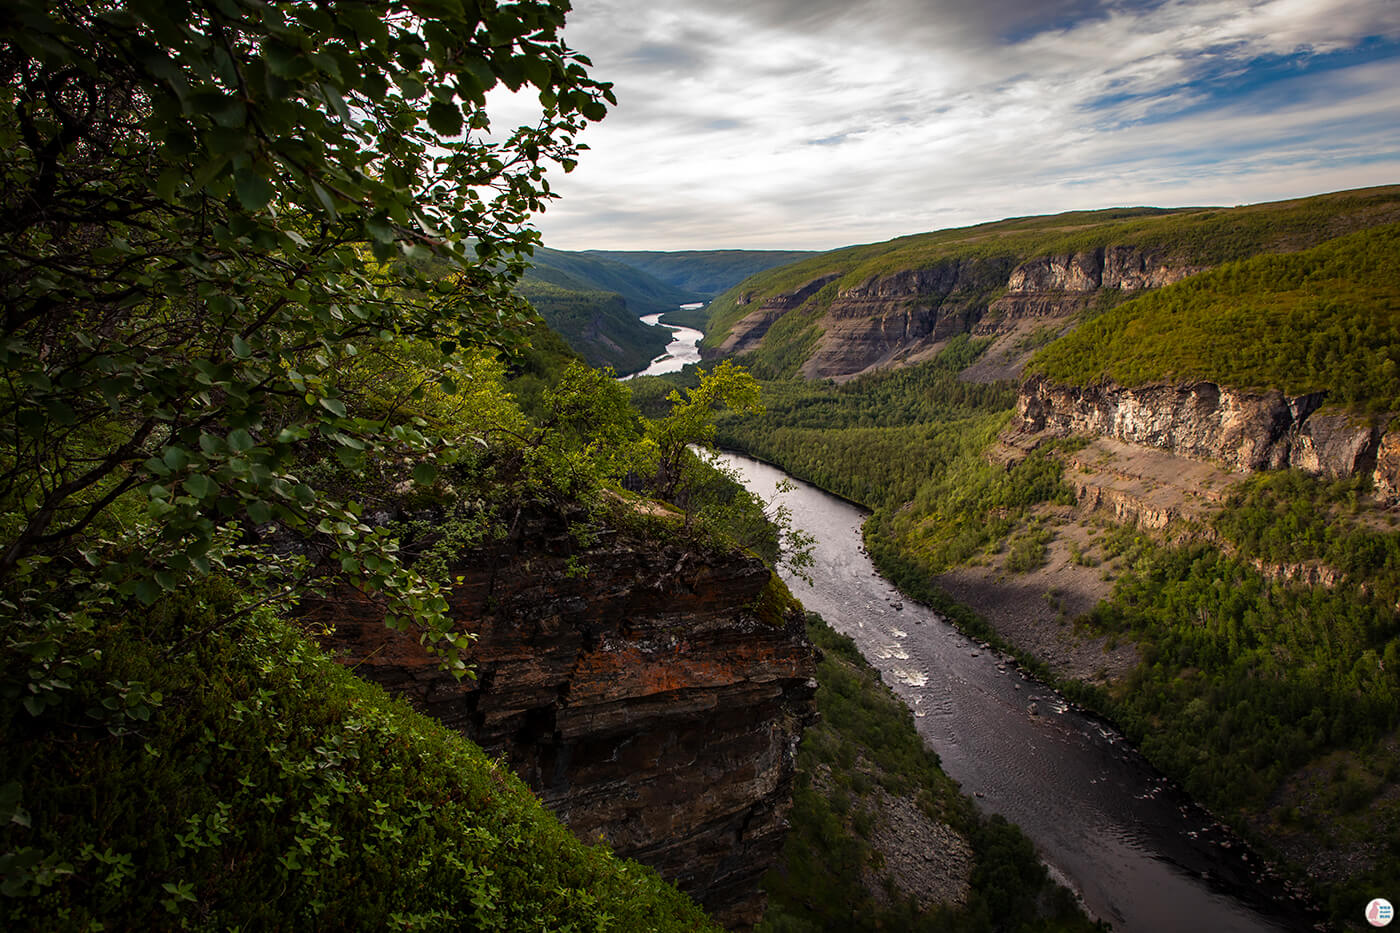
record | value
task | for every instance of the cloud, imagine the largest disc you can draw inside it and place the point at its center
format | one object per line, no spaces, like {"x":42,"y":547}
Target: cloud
{"x":815,"y":123}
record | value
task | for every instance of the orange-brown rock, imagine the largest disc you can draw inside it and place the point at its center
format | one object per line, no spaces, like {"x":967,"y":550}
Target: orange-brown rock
{"x":636,"y":686}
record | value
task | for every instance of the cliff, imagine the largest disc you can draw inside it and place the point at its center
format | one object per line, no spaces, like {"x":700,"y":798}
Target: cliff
{"x":903,"y":316}
{"x":1242,"y":430}
{"x":652,"y":696}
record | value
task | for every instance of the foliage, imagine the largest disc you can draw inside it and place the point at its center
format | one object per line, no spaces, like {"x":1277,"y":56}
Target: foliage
{"x":1322,"y":320}
{"x":211,"y":209}
{"x":864,"y":745}
{"x":875,"y":439}
{"x":266,"y":787}
{"x":691,"y":421}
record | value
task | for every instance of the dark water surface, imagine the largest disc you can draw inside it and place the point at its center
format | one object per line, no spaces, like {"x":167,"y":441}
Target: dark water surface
{"x":1137,"y":851}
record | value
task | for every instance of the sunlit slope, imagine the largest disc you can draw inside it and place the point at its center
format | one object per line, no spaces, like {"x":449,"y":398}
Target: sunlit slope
{"x":1324,"y":319}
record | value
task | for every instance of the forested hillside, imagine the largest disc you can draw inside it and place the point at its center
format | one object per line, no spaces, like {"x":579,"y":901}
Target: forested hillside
{"x":1326,"y":319}
{"x":705,"y":272}
{"x":595,"y":304}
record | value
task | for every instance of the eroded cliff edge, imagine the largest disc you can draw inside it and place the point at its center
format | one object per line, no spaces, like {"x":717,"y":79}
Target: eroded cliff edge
{"x":1242,"y":430}
{"x":653,"y":694}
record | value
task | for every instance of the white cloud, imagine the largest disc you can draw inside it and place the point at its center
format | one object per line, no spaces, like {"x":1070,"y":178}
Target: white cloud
{"x":799,"y":123}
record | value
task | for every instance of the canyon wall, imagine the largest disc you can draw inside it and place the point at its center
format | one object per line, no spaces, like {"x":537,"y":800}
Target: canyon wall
{"x":1241,"y":430}
{"x":897,"y":316}
{"x":653,"y":695}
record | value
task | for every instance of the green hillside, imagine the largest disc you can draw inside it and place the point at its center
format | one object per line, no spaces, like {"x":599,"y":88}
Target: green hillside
{"x":1324,"y":319}
{"x":595,"y":305}
{"x":1188,"y":236}
{"x":706,"y":272}
{"x":645,"y":292}
{"x":244,"y":780}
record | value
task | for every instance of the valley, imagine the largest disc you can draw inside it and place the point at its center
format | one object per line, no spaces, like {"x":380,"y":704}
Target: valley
{"x":1183,"y":519}
{"x":366,"y":562}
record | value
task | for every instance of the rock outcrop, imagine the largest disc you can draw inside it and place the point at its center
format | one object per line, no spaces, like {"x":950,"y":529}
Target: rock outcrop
{"x":905,"y":315}
{"x":1242,"y":430}
{"x":897,"y":316}
{"x":1062,"y":285}
{"x":750,"y":330}
{"x":653,"y":696}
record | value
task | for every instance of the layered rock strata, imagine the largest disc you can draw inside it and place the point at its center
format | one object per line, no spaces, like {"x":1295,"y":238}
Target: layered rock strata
{"x":653,"y":696}
{"x":904,"y":315}
{"x":1242,"y":430}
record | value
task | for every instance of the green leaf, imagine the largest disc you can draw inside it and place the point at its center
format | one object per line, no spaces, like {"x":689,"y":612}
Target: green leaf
{"x":200,"y":486}
{"x":240,"y":440}
{"x":254,"y":191}
{"x":241,"y":348}
{"x":324,"y":196}
{"x":424,"y":473}
{"x":445,"y":118}
{"x":333,"y":405}
{"x":260,"y":512}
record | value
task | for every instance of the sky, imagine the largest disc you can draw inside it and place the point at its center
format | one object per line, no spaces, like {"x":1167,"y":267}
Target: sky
{"x":814,"y":124}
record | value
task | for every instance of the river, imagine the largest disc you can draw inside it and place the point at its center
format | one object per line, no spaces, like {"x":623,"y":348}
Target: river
{"x":1137,"y":851}
{"x":683,"y":349}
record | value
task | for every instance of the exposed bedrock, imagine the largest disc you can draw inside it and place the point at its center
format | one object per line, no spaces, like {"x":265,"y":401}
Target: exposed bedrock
{"x":652,"y":696}
{"x":899,"y":316}
{"x":1243,"y":430}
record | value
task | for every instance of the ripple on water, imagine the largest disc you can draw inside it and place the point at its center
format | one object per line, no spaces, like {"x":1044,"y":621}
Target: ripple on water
{"x":911,"y":678}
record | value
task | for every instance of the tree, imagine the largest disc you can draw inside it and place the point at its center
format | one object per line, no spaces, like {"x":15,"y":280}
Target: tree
{"x":691,"y":420}
{"x":206,"y":208}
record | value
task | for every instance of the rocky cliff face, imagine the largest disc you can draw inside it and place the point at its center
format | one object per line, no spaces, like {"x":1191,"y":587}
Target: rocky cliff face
{"x":898,"y":316}
{"x":1062,"y":285}
{"x":652,"y":696}
{"x":1243,"y":430}
{"x":894,"y":317}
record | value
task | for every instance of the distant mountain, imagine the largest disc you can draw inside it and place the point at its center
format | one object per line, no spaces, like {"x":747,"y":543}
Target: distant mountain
{"x":706,"y":272}
{"x":595,"y":305}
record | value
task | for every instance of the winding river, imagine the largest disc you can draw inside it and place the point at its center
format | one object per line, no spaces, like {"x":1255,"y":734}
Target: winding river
{"x":1138,"y":852}
{"x":683,"y":349}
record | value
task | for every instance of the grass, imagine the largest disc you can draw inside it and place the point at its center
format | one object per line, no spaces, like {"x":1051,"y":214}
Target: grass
{"x":1187,"y":237}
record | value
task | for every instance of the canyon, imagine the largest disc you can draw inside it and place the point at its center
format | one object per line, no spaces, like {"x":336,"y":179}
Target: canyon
{"x":907,"y":315}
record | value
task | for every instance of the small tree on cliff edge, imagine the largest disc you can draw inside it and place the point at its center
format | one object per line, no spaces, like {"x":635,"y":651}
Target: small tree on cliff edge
{"x":204,"y":207}
{"x":691,"y":420}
